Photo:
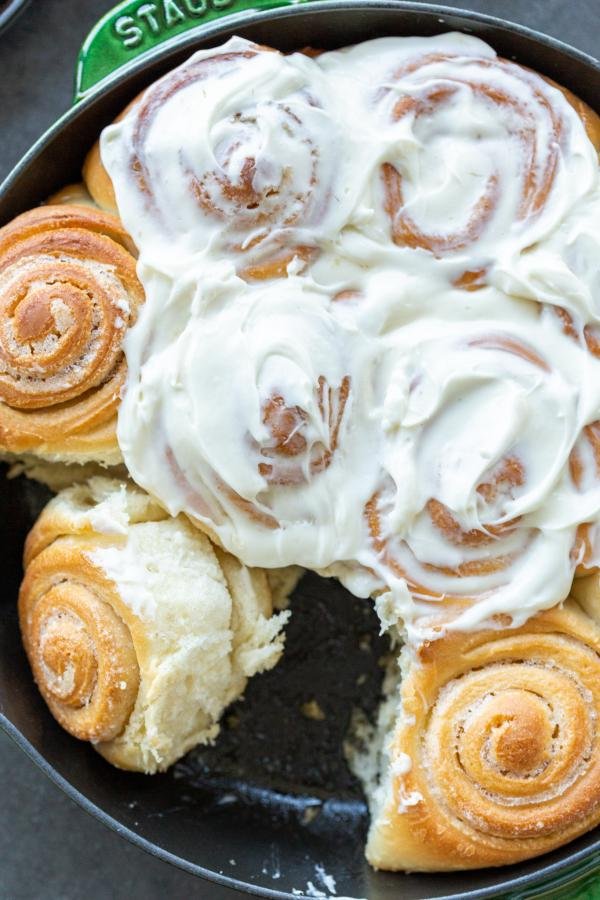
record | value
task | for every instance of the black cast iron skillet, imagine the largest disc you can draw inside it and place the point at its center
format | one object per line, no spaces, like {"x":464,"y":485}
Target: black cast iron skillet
{"x":272,"y":809}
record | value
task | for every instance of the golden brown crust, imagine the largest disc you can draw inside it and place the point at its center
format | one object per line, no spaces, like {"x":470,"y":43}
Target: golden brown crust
{"x":586,"y":590}
{"x":52,"y":220}
{"x":80,"y":650}
{"x":95,"y":176}
{"x":68,"y":291}
{"x":72,"y":195}
{"x":75,"y":625}
{"x":138,"y":635}
{"x":97,"y":180}
{"x":497,"y":749}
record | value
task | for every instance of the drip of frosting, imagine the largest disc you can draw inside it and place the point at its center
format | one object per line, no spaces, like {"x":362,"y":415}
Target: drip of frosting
{"x":371,"y":338}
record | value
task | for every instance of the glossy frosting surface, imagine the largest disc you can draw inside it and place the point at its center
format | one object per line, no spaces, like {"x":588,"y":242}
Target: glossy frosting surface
{"x":369,"y":343}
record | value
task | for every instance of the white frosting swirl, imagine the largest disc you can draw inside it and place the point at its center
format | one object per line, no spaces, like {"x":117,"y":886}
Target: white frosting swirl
{"x":413,"y":407}
{"x":478,"y":498}
{"x":254,"y":409}
{"x":480,"y":155}
{"x":253,"y":171}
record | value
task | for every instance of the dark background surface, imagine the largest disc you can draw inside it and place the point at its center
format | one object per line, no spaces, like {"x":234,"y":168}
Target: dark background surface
{"x":48,"y":847}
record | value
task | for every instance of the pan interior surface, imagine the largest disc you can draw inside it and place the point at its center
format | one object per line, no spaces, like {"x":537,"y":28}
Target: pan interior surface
{"x":272,"y":808}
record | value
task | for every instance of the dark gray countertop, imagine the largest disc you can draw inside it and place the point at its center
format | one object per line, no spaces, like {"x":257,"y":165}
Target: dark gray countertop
{"x":48,"y":847}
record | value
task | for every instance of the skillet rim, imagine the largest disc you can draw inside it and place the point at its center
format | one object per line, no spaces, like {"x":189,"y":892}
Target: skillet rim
{"x":587,"y":860}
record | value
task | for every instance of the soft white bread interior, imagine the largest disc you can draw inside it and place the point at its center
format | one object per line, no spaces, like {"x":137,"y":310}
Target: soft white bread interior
{"x":138,"y":631}
{"x":283,"y":582}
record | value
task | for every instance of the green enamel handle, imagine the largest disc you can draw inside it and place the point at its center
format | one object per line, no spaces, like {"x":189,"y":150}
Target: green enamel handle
{"x":135,"y":27}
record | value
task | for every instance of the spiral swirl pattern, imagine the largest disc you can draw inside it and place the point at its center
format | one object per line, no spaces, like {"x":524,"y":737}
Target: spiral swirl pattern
{"x":138,"y":631}
{"x":255,"y":171}
{"x":68,"y":292}
{"x":517,"y":102}
{"x":80,"y":650}
{"x":419,"y":442}
{"x":462,"y":514}
{"x":287,"y":444}
{"x":287,"y":363}
{"x":501,"y":730}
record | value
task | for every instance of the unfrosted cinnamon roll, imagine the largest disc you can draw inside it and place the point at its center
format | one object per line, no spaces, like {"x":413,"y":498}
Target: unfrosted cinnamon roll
{"x":495,"y":753}
{"x":586,"y":590}
{"x":68,"y":293}
{"x":58,"y":475}
{"x":96,"y":179}
{"x":138,"y":633}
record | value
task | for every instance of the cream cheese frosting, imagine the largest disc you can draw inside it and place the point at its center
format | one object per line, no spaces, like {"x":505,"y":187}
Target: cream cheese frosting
{"x":369,"y":343}
{"x":284,"y":362}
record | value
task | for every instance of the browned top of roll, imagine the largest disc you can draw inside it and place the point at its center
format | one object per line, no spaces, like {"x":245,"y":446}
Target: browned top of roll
{"x":496,"y":755}
{"x":68,"y":292}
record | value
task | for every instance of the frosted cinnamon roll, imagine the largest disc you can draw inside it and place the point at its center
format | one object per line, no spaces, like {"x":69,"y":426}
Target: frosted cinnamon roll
{"x":470,"y":157}
{"x":491,"y":471}
{"x":253,"y":176}
{"x":563,"y":272}
{"x":257,"y":440}
{"x":370,"y":415}
{"x":68,"y":293}
{"x":138,"y":633}
{"x":514,"y":103}
{"x":494,"y":754}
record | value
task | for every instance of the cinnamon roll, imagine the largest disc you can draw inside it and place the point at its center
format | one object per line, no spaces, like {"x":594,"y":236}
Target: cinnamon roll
{"x":481,"y":104}
{"x":430,"y":169}
{"x":486,"y":484}
{"x":494,"y":756}
{"x":265,"y":425}
{"x":68,"y":293}
{"x":138,"y":632}
{"x":253,"y":178}
{"x":562,"y":273}
{"x":96,"y":179}
{"x":371,"y":351}
{"x":420,"y":442}
{"x":586,"y":590}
